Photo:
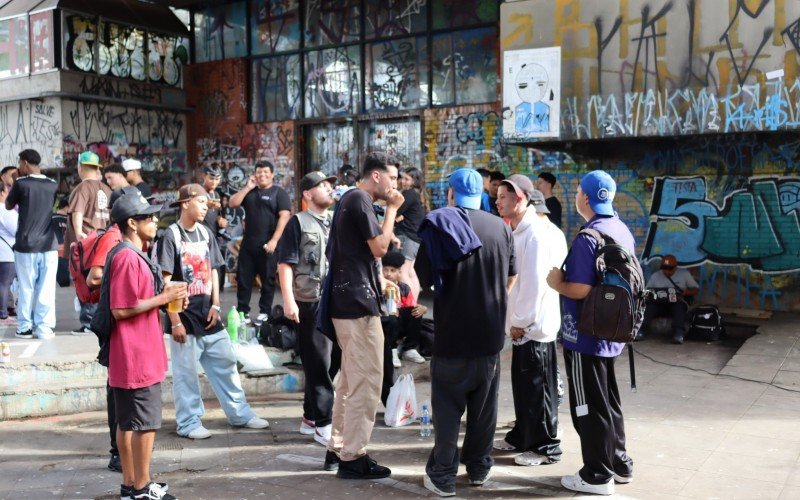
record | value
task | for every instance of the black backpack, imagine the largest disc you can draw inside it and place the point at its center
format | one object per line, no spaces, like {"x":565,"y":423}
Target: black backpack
{"x":706,"y":324}
{"x":614,"y":309}
{"x":279,"y":332}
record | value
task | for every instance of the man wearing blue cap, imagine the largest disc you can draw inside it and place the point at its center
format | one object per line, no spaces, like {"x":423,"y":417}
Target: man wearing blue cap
{"x":88,"y":211}
{"x":472,"y":253}
{"x":593,"y":394}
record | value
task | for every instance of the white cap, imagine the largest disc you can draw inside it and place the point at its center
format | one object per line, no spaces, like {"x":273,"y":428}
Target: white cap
{"x":131,"y":164}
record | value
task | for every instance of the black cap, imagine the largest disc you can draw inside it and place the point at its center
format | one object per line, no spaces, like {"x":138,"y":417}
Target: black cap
{"x":313,"y":179}
{"x":130,"y":205}
{"x":212,"y":170}
{"x":132,"y":190}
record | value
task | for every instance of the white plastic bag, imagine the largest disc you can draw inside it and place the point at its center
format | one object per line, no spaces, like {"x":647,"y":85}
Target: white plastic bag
{"x":401,"y":406}
{"x":252,"y":357}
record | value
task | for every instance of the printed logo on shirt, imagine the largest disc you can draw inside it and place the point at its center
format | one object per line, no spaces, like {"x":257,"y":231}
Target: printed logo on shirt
{"x":569,"y":329}
{"x":196,"y":270}
{"x":102,"y":206}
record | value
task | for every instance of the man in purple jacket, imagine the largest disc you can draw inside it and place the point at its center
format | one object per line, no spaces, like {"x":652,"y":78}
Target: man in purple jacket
{"x":593,"y":394}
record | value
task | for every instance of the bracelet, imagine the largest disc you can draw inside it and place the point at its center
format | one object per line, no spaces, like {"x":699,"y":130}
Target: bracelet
{"x":217,"y":308}
{"x":176,"y":326}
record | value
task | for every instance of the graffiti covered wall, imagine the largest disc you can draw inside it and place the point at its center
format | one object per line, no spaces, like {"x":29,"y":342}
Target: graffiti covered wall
{"x":31,"y":125}
{"x":667,"y":67}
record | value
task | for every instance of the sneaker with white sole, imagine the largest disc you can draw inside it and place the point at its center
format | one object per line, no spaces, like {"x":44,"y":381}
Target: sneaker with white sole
{"x":27,"y":334}
{"x":503,"y":445}
{"x":482,"y":480}
{"x":198,"y":432}
{"x":396,"y":359}
{"x":257,"y":423}
{"x":126,"y":491}
{"x":261,"y":319}
{"x":428,"y":483}
{"x":307,"y":427}
{"x":323,"y":434}
{"x":44,"y":334}
{"x":414,"y":356}
{"x":151,"y":492}
{"x":532,"y":458}
{"x":82,"y":331}
{"x":576,"y":483}
{"x":622,"y":479}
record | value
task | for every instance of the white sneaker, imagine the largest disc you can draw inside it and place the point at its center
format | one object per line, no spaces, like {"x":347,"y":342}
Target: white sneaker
{"x":257,"y":423}
{"x":307,"y":427}
{"x":199,"y":432}
{"x":531,"y":458}
{"x":44,"y":335}
{"x":622,"y":479}
{"x":426,"y":481}
{"x":414,"y":356}
{"x":261,"y":319}
{"x":503,"y":445}
{"x":396,"y":359}
{"x":323,"y":434}
{"x":576,"y":483}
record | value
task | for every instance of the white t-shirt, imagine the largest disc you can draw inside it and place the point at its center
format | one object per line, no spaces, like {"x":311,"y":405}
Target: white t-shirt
{"x":8,"y":232}
{"x":682,"y":278}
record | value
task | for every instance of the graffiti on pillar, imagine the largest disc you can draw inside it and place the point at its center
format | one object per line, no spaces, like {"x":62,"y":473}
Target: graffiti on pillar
{"x":756,"y":224}
{"x":31,"y":125}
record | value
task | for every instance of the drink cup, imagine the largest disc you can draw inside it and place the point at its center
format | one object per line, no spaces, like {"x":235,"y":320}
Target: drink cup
{"x":176,"y":305}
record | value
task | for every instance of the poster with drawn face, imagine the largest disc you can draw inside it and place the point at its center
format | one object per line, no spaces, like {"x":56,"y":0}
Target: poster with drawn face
{"x":531,"y":93}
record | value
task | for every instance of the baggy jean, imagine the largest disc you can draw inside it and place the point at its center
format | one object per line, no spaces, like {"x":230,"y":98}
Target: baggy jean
{"x":215,"y":353}
{"x":36,"y":299}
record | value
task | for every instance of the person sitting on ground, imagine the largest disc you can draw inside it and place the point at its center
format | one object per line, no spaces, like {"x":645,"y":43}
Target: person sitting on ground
{"x":672,"y":305}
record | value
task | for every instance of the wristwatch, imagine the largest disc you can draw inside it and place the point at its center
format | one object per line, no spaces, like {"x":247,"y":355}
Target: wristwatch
{"x":217,"y":308}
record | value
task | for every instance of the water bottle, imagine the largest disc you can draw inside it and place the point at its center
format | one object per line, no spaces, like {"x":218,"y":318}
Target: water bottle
{"x":425,"y":422}
{"x":242,"y":330}
{"x":233,"y":324}
{"x":391,"y":302}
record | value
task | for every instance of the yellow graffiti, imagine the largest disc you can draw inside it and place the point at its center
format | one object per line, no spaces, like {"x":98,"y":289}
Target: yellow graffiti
{"x":524,"y":29}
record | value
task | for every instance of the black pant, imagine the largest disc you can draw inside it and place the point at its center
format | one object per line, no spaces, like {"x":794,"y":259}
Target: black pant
{"x":534,"y":383}
{"x":321,"y":360}
{"x":458,"y":384}
{"x":391,"y":327}
{"x":111,"y":410}
{"x":674,"y":310}
{"x":253,"y":260}
{"x":409,"y":329}
{"x":596,"y":411}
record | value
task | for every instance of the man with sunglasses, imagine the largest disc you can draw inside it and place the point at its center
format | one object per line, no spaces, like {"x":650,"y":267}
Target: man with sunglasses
{"x":188,"y":252}
{"x":267,"y":209}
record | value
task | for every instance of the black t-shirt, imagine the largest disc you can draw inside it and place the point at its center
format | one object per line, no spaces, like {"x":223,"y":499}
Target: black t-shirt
{"x":412,"y":213}
{"x":261,"y":207}
{"x":198,"y":257}
{"x":470,"y":310}
{"x":288,"y":249}
{"x":211,"y":216}
{"x":554,"y":206}
{"x":354,"y":272}
{"x":35,"y":196}
{"x":144,"y":188}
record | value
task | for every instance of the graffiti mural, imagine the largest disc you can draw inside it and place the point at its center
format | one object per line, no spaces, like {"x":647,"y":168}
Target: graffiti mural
{"x":332,"y":82}
{"x":42,"y":42}
{"x":661,"y":68}
{"x":397,"y":74}
{"x":220,"y":32}
{"x":399,"y":139}
{"x":395,"y":17}
{"x":331,"y":22}
{"x":31,"y":125}
{"x":330,"y":146}
{"x":274,"y":26}
{"x":464,"y":67}
{"x":276,"y":88}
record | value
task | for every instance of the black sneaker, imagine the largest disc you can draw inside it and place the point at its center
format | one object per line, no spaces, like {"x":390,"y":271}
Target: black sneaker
{"x":114,"y":464}
{"x":331,"y":461}
{"x":152,"y":491}
{"x":28,"y":334}
{"x":362,"y":468}
{"x":127,"y":491}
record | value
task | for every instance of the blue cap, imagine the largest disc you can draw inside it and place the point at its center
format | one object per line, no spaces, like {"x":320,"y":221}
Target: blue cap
{"x":89,"y":158}
{"x":467,"y":187}
{"x":600,"y":188}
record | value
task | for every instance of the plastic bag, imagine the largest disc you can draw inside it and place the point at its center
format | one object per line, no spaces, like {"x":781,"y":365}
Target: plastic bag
{"x":252,"y":357}
{"x":401,"y":406}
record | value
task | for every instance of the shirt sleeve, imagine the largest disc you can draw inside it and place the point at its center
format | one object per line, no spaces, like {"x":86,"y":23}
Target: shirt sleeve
{"x":165,"y":252}
{"x":288,"y":251}
{"x":580,"y":263}
{"x":366,"y":220}
{"x":688,"y":280}
{"x":283,"y":201}
{"x":125,"y":285}
{"x":406,"y":297}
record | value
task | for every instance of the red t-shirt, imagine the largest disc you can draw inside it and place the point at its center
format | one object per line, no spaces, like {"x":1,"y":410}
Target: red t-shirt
{"x":137,"y":357}
{"x":108,"y":241}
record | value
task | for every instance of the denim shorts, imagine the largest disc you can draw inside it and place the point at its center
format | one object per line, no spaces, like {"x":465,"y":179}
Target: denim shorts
{"x":409,"y":247}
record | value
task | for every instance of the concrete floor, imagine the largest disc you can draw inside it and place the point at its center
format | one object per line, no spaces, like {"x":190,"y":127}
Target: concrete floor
{"x":691,"y":434}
